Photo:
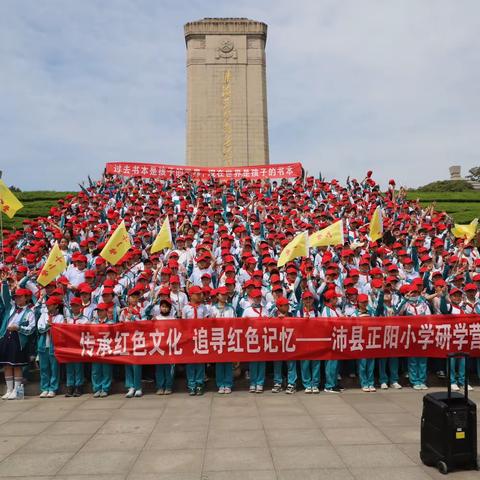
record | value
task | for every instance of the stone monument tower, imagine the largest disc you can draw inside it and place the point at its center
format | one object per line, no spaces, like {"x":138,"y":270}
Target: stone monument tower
{"x":226,"y":92}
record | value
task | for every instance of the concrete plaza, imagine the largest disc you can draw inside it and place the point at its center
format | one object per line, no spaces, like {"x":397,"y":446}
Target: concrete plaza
{"x":243,"y":436}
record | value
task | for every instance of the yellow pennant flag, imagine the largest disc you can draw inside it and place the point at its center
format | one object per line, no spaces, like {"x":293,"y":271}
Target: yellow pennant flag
{"x":298,"y":247}
{"x":164,"y":238}
{"x":118,"y":245}
{"x":376,"y":225}
{"x":466,"y":231}
{"x":331,"y":235}
{"x":9,"y":203}
{"x":53,"y":267}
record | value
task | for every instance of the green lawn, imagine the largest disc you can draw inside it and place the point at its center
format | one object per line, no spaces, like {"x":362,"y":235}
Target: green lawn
{"x":35,"y":204}
{"x":462,"y":206}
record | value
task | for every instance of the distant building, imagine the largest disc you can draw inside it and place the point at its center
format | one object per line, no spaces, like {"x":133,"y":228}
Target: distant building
{"x":456,"y":174}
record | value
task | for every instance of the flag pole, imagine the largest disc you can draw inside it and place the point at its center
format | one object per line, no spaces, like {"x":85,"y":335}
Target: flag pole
{"x":1,"y":229}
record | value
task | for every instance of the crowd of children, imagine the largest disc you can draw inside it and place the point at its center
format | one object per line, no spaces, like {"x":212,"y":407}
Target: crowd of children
{"x":227,"y":237}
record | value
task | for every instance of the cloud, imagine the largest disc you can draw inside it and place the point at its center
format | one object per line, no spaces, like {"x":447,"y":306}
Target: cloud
{"x":352,"y":86}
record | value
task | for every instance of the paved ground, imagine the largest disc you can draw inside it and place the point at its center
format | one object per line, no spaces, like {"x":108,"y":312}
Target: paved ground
{"x":242,"y":436}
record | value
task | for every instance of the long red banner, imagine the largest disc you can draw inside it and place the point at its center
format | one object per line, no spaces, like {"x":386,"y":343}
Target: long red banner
{"x":266,"y":339}
{"x":155,"y":170}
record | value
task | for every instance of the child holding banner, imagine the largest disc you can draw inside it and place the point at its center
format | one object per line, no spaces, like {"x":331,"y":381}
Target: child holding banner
{"x":102,"y":373}
{"x":164,"y":373}
{"x":257,"y":369}
{"x":195,"y":371}
{"x":223,"y":371}
{"x":75,"y":370}
{"x":310,"y":368}
{"x":133,"y":373}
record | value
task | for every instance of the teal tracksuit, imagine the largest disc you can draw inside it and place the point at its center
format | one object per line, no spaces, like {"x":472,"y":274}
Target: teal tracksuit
{"x":457,"y":365}
{"x":49,"y":369}
{"x":331,"y":366}
{"x":278,"y":365}
{"x":223,"y":371}
{"x":417,"y":366}
{"x":133,"y":373}
{"x":310,"y":369}
{"x":102,"y":373}
{"x":164,"y":376}
{"x":366,"y":366}
{"x":75,"y":370}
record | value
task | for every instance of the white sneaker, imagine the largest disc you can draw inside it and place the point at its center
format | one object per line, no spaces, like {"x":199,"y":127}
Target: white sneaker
{"x":372,"y":388}
{"x":259,"y":389}
{"x":51,"y":394}
{"x":384,"y":386}
{"x":97,"y":394}
{"x":365,"y":389}
{"x":396,"y":385}
{"x":315,"y":390}
{"x":423,"y":386}
{"x":308,"y":390}
{"x":139,"y":393}
{"x":221,"y":390}
{"x":252,"y":389}
{"x":455,"y":387}
{"x":130,"y":393}
{"x":44,"y":394}
{"x":469,"y":388}
{"x":13,"y":395}
{"x":160,"y":391}
{"x":7,"y":394}
{"x":227,"y":390}
{"x":417,"y":387}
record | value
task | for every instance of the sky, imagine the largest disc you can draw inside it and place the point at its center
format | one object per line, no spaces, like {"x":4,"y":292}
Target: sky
{"x":352,"y":85}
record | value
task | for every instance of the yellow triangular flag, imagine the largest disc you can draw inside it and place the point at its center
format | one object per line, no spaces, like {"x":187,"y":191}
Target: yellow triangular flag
{"x":118,"y":245}
{"x":9,"y":203}
{"x":376,"y":225}
{"x":465,"y":231}
{"x":331,"y":235}
{"x":53,"y":267}
{"x":164,"y":238}
{"x":298,"y":247}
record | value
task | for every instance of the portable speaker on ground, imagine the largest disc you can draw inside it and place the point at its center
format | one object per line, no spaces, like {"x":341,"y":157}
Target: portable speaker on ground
{"x":449,"y":428}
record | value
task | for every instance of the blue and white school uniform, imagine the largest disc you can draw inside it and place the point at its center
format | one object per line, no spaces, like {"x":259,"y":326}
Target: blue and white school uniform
{"x":133,"y":373}
{"x":164,"y":372}
{"x":195,"y":371}
{"x":331,"y":366}
{"x":310,"y":369}
{"x":278,"y":365}
{"x":417,"y":366}
{"x":223,"y":370}
{"x":102,"y":373}
{"x":75,"y":370}
{"x":257,"y":369}
{"x":49,"y":368}
{"x":13,"y":344}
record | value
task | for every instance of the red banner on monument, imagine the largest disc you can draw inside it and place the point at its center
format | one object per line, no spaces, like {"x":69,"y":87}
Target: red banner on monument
{"x":153,"y":170}
{"x":266,"y":339}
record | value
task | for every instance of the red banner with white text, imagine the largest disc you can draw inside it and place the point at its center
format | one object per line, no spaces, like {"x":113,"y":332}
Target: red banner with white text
{"x":154,"y":170}
{"x":265,"y":339}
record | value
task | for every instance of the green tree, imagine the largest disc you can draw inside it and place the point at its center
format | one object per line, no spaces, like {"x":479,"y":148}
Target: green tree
{"x":474,"y":174}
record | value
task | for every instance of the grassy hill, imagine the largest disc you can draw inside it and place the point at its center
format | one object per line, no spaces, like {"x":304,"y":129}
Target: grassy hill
{"x":35,"y":204}
{"x":462,"y":206}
